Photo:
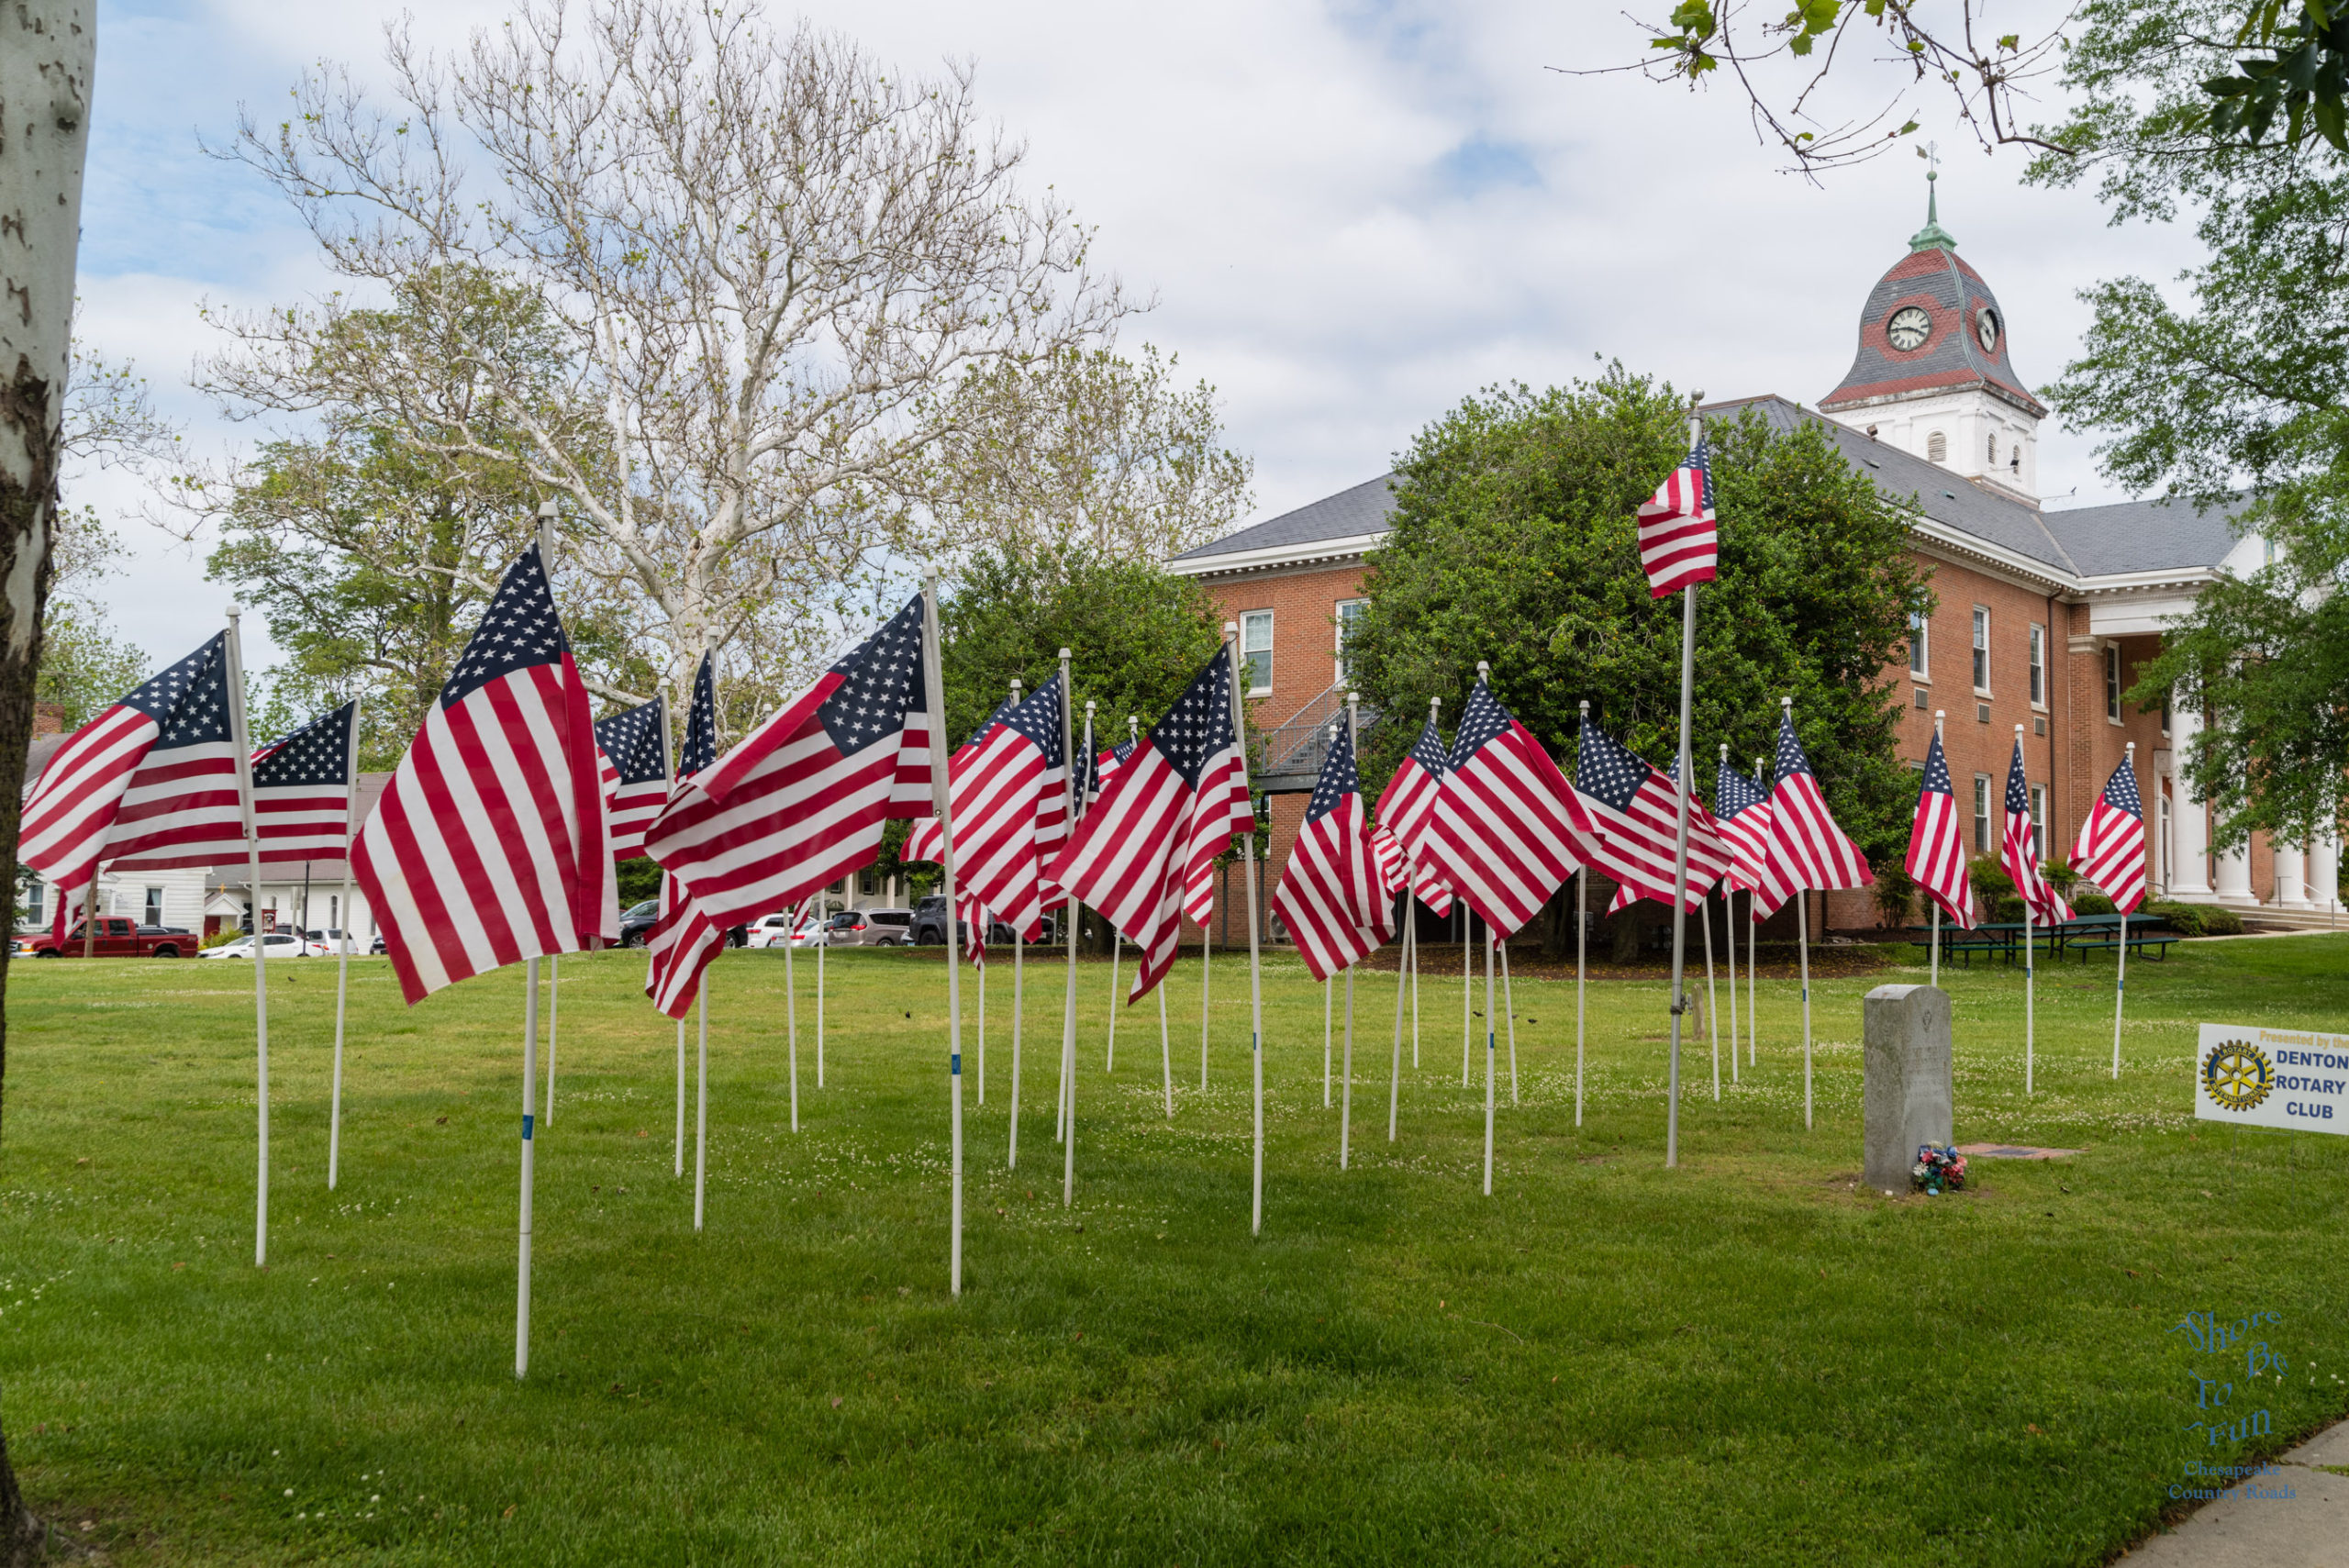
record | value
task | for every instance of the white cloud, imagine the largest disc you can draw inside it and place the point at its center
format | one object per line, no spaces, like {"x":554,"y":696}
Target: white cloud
{"x":1351,"y":215}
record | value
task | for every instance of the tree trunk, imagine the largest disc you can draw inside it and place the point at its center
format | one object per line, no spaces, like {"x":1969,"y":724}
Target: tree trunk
{"x":45,"y":69}
{"x":1625,"y":928}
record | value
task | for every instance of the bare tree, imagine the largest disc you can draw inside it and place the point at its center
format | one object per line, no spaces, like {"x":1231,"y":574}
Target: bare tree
{"x":1086,"y":450}
{"x":46,"y":63}
{"x":769,"y":264}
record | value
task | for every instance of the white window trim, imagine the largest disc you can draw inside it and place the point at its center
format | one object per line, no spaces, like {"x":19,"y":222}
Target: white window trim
{"x":1984,"y":840}
{"x":2038,"y":795}
{"x":1980,"y":628}
{"x":2116,"y":687}
{"x":1247,"y":653}
{"x":1921,"y":662}
{"x":1338,"y":634}
{"x":2039,"y":703}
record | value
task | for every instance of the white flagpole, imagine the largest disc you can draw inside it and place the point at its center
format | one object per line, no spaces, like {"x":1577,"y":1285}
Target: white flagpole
{"x":342,"y":970}
{"x":941,"y":795}
{"x":1402,"y":983}
{"x":529,"y":1083}
{"x":1582,"y":954}
{"x":1255,"y":969}
{"x":1068,"y":1006}
{"x":981,"y":966}
{"x":701,"y":1097}
{"x":1346,"y":1094}
{"x":554,"y":1011}
{"x":669,"y":771}
{"x":2121,"y":975}
{"x":1680,"y":834}
{"x":2030,"y":979}
{"x":1488,"y":1061}
{"x":1729,"y":933}
{"x":1752,"y":952}
{"x":791,"y":1014}
{"x":1508,"y":1006}
{"x":1936,"y":979}
{"x":241,"y":741}
{"x":1467,"y":987}
{"x":823,"y":922}
{"x":1803,"y":942}
{"x":1712,"y":996}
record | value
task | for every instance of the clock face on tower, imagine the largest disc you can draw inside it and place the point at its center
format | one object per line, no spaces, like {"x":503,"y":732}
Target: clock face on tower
{"x":1986,"y":327}
{"x":1908,"y":328}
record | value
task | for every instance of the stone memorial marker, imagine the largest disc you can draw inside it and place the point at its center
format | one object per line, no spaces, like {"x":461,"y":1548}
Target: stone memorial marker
{"x":1905,"y":1094}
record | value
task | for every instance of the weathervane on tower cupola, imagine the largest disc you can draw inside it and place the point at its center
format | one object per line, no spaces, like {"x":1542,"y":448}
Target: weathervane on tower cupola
{"x":1932,"y":236}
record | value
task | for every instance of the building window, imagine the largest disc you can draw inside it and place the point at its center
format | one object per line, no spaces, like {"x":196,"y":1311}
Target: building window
{"x":1256,"y":648}
{"x":2038,"y":666}
{"x":2112,"y":682}
{"x":1992,"y":450}
{"x":2039,"y":822}
{"x":1919,"y":648}
{"x":2164,"y":711}
{"x":1350,"y":613}
{"x":153,"y":913}
{"x":1981,"y":649}
{"x":1981,"y":814}
{"x":1937,"y":447}
{"x":35,"y":892}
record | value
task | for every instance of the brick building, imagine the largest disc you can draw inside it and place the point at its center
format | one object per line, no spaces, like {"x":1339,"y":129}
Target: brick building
{"x":2043,"y":617}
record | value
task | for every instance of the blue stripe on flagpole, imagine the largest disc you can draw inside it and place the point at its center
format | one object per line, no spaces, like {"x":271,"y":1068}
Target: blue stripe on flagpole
{"x":957,"y":1058}
{"x":527,"y":1119}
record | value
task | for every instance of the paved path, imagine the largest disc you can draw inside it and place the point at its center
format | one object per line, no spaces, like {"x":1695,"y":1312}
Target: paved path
{"x":2307,"y":1529}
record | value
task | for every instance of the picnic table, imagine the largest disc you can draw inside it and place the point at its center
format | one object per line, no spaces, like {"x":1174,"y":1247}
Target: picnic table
{"x":2083,"y":934}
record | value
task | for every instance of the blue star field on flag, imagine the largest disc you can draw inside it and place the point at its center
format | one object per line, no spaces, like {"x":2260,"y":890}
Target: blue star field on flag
{"x":1339,"y":777}
{"x":1734,"y":793}
{"x":1198,"y":727}
{"x":1606,"y":771}
{"x":519,"y":628}
{"x":632,"y":741}
{"x":1483,"y":721}
{"x":317,"y":753}
{"x":699,"y":749}
{"x":881,"y":681}
{"x":188,"y":701}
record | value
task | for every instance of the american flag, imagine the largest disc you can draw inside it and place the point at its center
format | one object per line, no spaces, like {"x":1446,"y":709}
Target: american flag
{"x":1005,"y":785}
{"x":2019,"y":853}
{"x":1937,"y":845}
{"x":802,"y":800}
{"x":2112,"y":848}
{"x":1807,"y":850}
{"x":1507,"y":830}
{"x":151,"y":782}
{"x":1393,"y":879}
{"x":1744,"y":818}
{"x":1330,"y":893}
{"x":1679,"y":539}
{"x":1106,"y":766}
{"x":1146,"y":853}
{"x":1405,"y":807}
{"x":685,"y":941}
{"x":302,"y":789}
{"x":488,"y":845}
{"x":634,"y":748}
{"x":1638,"y":813}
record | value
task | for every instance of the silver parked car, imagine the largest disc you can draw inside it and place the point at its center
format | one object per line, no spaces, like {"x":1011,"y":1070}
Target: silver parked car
{"x":871,"y":929}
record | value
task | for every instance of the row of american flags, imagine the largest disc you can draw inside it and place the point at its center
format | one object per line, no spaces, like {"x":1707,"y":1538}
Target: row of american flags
{"x":498,"y":835}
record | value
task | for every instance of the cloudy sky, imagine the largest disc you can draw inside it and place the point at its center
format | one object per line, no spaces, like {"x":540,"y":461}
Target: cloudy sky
{"x":1350,"y":215}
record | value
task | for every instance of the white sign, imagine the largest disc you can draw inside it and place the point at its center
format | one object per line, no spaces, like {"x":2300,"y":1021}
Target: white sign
{"x":2289,"y":1078}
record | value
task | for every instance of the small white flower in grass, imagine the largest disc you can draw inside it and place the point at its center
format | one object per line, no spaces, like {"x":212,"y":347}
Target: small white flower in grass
{"x":289,"y":1491}
{"x":376,"y":1498}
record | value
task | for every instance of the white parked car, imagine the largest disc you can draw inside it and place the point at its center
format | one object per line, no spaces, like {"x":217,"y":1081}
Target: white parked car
{"x":282,"y":944}
{"x":774,"y":930}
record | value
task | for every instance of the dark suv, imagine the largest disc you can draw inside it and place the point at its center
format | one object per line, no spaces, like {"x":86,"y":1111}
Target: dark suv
{"x":930,"y":926}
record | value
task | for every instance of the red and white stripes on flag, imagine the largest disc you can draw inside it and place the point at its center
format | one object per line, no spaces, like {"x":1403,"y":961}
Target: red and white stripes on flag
{"x":1008,"y":786}
{"x":633,"y":749}
{"x":1507,"y":830}
{"x":802,"y":801}
{"x":1637,"y":810}
{"x":1146,"y":851}
{"x":302,"y":787}
{"x":1330,"y":894}
{"x":1679,"y":536}
{"x":1393,"y":879}
{"x":1743,"y":815}
{"x":683,"y":943}
{"x":1807,"y":849}
{"x":149,"y":782}
{"x":2019,"y":850}
{"x":1937,"y":842}
{"x":489,"y":844}
{"x":1405,"y":807}
{"x":2112,"y":848}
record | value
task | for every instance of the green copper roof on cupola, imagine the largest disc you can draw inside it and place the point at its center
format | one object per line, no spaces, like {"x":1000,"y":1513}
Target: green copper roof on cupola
{"x":1932,"y":236}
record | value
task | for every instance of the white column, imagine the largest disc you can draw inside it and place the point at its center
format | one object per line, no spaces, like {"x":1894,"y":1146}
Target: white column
{"x":2189,"y":821}
{"x":2234,"y":876}
{"x":2292,"y":881}
{"x":2324,"y":871}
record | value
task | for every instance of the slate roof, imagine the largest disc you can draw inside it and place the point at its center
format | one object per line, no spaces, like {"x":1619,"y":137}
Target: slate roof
{"x":1953,"y":294}
{"x":1361,"y":509}
{"x":2090,"y":541}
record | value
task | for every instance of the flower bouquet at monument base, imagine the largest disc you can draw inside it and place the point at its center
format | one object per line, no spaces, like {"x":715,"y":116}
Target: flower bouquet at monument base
{"x":1938,"y":1167}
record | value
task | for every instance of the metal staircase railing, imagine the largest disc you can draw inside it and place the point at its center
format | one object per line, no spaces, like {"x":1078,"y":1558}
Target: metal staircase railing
{"x":1289,"y":755}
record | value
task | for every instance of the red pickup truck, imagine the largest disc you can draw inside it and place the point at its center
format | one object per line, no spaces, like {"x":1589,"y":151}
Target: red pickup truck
{"x":116,"y":938}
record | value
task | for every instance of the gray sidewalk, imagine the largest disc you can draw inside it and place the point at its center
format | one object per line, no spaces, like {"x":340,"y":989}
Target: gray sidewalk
{"x":2307,"y":1529}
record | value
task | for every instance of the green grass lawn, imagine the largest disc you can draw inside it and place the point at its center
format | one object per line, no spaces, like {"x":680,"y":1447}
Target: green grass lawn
{"x":1750,"y":1358}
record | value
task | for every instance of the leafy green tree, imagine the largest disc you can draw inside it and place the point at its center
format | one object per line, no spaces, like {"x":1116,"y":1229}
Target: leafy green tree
{"x":83,"y":666}
{"x":1514,"y":542}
